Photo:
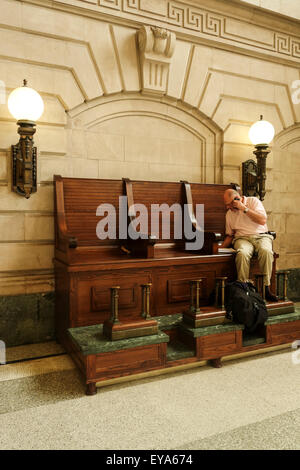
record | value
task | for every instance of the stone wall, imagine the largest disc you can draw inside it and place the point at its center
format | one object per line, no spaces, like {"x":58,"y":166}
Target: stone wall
{"x":284,"y":7}
{"x":229,"y":65}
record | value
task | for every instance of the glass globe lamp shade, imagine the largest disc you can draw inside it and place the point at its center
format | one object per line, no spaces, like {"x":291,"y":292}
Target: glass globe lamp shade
{"x":261,"y":132}
{"x":26,"y":104}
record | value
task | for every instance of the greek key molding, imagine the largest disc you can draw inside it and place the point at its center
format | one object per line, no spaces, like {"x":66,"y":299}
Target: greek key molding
{"x":115,"y":4}
{"x":195,"y":19}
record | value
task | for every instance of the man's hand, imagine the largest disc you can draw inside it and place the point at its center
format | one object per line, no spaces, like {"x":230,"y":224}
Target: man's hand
{"x":237,"y":204}
{"x":255,"y":216}
{"x":227,"y":241}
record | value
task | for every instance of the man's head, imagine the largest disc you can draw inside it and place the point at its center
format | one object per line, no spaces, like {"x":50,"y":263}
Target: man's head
{"x":229,"y":197}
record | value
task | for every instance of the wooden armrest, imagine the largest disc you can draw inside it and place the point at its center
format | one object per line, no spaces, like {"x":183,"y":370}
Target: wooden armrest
{"x":141,"y":248}
{"x":64,"y":238}
{"x":64,"y":235}
{"x":215,"y":236}
{"x":70,"y":240}
{"x":143,"y":245}
{"x":211,"y":239}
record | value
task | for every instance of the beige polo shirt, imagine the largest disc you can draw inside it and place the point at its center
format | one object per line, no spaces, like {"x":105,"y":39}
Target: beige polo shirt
{"x":240,"y":224}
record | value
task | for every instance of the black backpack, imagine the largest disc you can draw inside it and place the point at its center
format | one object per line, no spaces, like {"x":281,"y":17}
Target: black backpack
{"x":244,"y":305}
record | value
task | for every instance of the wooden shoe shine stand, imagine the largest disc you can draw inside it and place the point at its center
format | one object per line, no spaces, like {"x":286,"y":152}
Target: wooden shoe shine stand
{"x":128,"y":308}
{"x":196,"y":335}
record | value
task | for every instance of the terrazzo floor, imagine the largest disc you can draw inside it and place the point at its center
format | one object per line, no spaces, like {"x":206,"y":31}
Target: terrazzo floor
{"x":250,"y":403}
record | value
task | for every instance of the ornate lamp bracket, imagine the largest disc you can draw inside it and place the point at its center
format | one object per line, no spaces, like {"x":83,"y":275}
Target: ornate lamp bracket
{"x":24,"y":167}
{"x":26,"y":106}
{"x":254,"y":174}
{"x":261,"y":134}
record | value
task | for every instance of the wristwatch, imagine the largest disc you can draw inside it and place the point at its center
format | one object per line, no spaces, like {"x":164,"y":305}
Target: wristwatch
{"x":246,"y":210}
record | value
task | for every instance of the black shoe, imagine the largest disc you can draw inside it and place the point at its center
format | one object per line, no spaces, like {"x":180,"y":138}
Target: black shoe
{"x":269,"y":296}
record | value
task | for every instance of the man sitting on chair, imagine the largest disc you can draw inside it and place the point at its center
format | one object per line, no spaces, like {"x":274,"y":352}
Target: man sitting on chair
{"x":246,"y":229}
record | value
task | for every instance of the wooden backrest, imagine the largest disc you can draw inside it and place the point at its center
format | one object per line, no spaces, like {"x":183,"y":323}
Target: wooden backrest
{"x":158,"y":197}
{"x":81,"y":198}
{"x":153,"y":193}
{"x":211,"y":195}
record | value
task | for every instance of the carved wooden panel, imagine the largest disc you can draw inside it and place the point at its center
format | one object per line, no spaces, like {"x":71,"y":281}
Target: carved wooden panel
{"x":128,"y":361}
{"x":215,"y":346}
{"x":93,"y":296}
{"x":171,"y":286}
{"x":179,"y":289}
{"x":100,"y":298}
{"x":285,"y":332}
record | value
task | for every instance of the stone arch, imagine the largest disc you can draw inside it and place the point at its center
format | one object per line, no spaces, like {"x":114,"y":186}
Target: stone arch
{"x":148,"y":137}
{"x":285,"y":195}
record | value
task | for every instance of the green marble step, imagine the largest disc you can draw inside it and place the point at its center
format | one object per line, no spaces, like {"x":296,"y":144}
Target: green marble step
{"x":177,"y":350}
{"x":90,"y":340}
{"x":287,"y":317}
{"x":253,"y":340}
{"x":210,"y":330}
{"x":168,"y":322}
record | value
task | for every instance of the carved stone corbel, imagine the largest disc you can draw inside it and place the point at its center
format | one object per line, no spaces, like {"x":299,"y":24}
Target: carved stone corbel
{"x":156,"y":47}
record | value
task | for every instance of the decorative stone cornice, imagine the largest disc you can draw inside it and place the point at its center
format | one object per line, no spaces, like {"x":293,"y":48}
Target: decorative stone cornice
{"x":156,"y":47}
{"x":225,"y":22}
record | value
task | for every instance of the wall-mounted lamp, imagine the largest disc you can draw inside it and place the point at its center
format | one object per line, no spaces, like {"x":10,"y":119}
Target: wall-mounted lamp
{"x":26,"y":106}
{"x":254,"y":174}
